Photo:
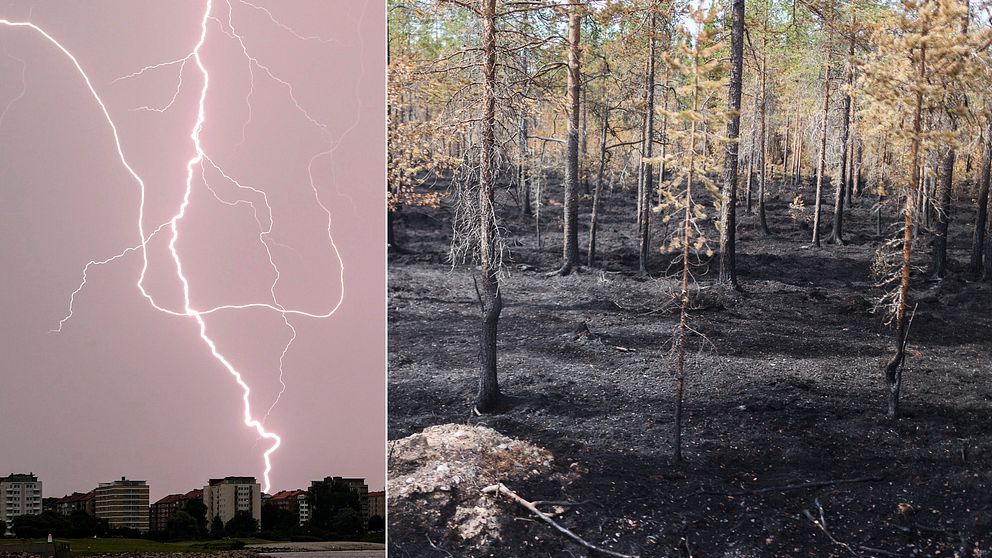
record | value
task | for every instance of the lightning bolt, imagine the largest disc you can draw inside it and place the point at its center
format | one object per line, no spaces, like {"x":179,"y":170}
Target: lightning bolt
{"x":198,"y":165}
{"x":24,"y":85}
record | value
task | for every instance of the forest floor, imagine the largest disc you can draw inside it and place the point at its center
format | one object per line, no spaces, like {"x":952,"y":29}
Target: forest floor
{"x":786,"y":389}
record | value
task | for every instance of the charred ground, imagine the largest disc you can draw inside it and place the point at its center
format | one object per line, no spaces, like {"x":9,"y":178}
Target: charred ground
{"x":786,"y":388}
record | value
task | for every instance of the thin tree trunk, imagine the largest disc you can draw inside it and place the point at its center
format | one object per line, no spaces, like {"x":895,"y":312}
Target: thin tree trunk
{"x":750,"y":176}
{"x":591,"y":254}
{"x":570,"y":244}
{"x":799,"y":159}
{"x":797,"y":143}
{"x":523,"y":184}
{"x":858,"y":160}
{"x":837,"y":234}
{"x":648,"y":187}
{"x":391,"y":230}
{"x":794,"y":148}
{"x":882,"y":187}
{"x":821,"y":164}
{"x":893,"y":370}
{"x":849,"y":163}
{"x":680,"y":342}
{"x":664,"y":141}
{"x":728,"y":209}
{"x":490,"y":295}
{"x":763,"y":148}
{"x":927,"y":193}
{"x":585,"y":139}
{"x":640,"y":163}
{"x":523,"y":178}
{"x":785,"y":150}
{"x":753,"y":149}
{"x":981,"y":217}
{"x":938,"y":263}
{"x":640,"y":181}
{"x":852,"y":140}
{"x":538,"y":199}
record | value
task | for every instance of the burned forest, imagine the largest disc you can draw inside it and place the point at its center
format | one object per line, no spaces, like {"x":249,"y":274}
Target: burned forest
{"x":690,"y":278}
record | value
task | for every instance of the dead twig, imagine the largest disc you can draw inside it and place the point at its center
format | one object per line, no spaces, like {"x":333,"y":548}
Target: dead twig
{"x":822,"y":524}
{"x":561,"y":503}
{"x":502,"y":489}
{"x":790,"y":487}
{"x":905,"y":338}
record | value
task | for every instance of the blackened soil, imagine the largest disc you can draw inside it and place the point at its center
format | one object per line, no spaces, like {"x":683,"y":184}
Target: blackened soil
{"x":784,"y":387}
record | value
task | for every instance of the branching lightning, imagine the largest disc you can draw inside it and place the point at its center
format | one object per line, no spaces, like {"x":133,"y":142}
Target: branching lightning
{"x":202,"y":165}
{"x":24,"y":86}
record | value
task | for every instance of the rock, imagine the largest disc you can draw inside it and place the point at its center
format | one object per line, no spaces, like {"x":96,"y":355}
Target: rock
{"x":436,"y":477}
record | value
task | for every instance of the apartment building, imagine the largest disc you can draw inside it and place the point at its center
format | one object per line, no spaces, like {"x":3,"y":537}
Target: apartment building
{"x":21,"y":495}
{"x":123,"y":503}
{"x":377,"y":504}
{"x":160,"y":512}
{"x":76,"y":501}
{"x":227,"y":496}
{"x":293,"y":501}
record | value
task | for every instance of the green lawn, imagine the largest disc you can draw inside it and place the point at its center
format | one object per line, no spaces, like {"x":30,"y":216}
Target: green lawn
{"x":86,"y":547}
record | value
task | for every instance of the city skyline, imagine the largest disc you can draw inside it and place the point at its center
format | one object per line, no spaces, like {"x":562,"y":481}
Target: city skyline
{"x":125,"y":504}
{"x":154,"y":495}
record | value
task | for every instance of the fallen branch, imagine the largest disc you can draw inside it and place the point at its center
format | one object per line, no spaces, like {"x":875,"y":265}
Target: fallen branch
{"x":822,"y":524}
{"x":561,"y":503}
{"x":790,"y":487}
{"x":502,"y":489}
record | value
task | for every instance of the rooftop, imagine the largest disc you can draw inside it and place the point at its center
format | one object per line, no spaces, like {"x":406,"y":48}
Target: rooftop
{"x":195,"y":494}
{"x":76,"y":497}
{"x":20,"y":477}
{"x":286,"y":494}
{"x":123,"y":482}
{"x":233,"y":480}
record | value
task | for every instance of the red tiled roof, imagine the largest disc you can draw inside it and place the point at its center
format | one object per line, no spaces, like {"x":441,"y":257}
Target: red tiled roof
{"x":195,"y":494}
{"x":75,"y":497}
{"x":286,"y":494}
{"x":169,"y":499}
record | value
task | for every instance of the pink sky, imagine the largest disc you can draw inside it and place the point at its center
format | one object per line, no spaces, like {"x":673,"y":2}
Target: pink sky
{"x":126,"y":390}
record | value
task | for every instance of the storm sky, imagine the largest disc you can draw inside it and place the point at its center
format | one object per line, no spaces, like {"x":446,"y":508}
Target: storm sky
{"x":124,"y":389}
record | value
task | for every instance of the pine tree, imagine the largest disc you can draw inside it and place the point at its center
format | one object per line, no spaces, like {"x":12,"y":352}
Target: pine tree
{"x":698,"y":64}
{"x":905,"y":82}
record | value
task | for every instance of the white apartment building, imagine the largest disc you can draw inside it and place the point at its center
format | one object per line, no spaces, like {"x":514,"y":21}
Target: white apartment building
{"x":21,"y":495}
{"x":227,"y":496}
{"x":304,"y":507}
{"x":123,"y":503}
